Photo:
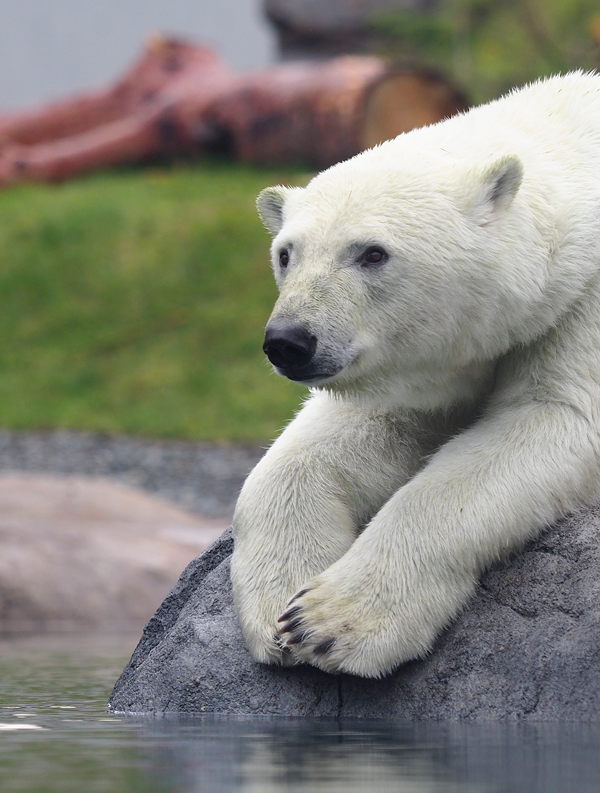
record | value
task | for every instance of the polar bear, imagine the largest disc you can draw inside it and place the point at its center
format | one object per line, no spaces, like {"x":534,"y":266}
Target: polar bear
{"x":440,"y":294}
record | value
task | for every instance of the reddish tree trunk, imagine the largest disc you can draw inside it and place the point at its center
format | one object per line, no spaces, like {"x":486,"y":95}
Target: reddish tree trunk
{"x":324,"y":112}
{"x":180,"y":100}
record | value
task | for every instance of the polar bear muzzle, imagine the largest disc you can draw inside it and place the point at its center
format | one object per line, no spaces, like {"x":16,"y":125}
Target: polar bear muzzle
{"x":290,"y":346}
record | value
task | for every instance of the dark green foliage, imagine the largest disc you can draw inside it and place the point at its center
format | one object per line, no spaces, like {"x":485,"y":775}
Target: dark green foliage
{"x":489,"y":46}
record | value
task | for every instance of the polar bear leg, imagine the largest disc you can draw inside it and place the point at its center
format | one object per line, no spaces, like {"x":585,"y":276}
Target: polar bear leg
{"x":302,"y":506}
{"x":416,"y":564}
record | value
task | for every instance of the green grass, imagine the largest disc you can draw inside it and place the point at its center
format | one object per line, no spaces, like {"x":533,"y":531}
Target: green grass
{"x":135,"y":302}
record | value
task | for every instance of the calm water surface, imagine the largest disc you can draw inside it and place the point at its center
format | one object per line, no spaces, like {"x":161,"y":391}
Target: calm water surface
{"x":55,"y":735}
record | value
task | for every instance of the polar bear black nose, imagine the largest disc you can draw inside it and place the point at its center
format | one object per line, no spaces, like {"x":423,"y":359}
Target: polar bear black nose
{"x":288,"y":345}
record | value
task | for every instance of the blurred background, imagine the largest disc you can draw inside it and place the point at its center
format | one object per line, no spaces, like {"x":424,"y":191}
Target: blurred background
{"x":133,"y":298}
{"x":134,"y":272}
{"x":51,"y":49}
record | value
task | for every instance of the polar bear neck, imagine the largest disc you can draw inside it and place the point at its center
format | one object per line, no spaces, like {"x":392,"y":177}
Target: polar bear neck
{"x":423,"y":389}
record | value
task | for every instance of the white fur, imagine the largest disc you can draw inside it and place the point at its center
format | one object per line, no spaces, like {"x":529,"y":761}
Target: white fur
{"x":465,"y":412}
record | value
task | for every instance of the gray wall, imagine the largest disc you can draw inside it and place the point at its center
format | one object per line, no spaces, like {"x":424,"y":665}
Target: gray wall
{"x":51,"y":48}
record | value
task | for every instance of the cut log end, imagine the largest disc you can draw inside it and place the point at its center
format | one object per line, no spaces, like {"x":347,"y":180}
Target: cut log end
{"x":399,"y":102}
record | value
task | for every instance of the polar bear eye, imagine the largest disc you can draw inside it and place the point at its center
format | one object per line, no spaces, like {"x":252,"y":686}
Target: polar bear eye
{"x":374,"y":255}
{"x":284,"y":258}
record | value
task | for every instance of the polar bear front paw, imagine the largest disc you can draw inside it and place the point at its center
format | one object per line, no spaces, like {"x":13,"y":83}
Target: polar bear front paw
{"x":337,"y":627}
{"x":318,"y":628}
{"x":358,"y":625}
{"x":267,"y":645}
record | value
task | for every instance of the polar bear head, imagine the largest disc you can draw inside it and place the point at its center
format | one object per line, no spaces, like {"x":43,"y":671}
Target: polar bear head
{"x":397,"y":273}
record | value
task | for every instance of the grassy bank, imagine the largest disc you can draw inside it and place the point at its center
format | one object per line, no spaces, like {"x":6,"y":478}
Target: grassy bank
{"x":136,"y":302}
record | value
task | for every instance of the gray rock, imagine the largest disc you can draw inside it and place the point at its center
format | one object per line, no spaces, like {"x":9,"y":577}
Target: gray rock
{"x":313,"y":28}
{"x":330,"y":17}
{"x":527,"y":647}
{"x":192,"y":656}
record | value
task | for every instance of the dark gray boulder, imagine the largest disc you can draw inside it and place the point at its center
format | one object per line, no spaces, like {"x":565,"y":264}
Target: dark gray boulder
{"x":527,"y":647}
{"x":313,"y":28}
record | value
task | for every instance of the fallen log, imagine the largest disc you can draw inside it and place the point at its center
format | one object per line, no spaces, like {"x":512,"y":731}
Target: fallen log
{"x":324,"y":112}
{"x":180,"y":100}
{"x":161,"y":64}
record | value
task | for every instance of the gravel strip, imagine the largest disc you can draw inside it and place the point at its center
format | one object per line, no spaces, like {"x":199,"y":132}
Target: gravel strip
{"x":201,"y":477}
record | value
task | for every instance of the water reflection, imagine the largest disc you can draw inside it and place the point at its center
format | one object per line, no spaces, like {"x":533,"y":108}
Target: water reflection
{"x":261,"y":757}
{"x":252,"y":756}
{"x":61,"y":685}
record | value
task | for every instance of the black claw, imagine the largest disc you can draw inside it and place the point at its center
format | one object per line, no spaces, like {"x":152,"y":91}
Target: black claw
{"x":298,"y":595}
{"x":291,"y":626}
{"x":289,"y":614}
{"x":297,"y":638}
{"x":325,"y":646}
{"x":280,"y":644}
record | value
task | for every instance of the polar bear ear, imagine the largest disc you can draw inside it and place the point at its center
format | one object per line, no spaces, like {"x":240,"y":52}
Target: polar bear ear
{"x":498,"y":186}
{"x":270,"y":207}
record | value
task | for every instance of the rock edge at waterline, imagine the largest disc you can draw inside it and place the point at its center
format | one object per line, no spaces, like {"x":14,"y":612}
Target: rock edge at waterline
{"x":527,"y":647}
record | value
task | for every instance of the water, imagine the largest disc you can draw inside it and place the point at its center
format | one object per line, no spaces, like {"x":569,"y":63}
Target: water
{"x":55,"y":735}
